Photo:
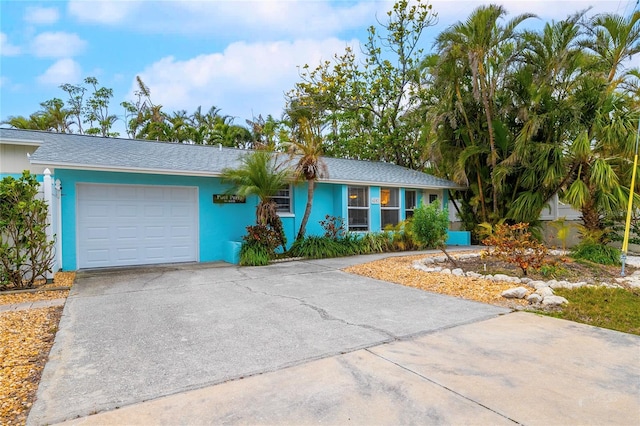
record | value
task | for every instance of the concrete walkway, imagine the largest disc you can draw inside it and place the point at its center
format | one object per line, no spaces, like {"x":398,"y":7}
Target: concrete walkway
{"x":303,"y":342}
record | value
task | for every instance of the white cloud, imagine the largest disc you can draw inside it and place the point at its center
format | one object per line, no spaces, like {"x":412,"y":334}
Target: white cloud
{"x":244,"y":80}
{"x":62,"y":71}
{"x":264,"y":19}
{"x":256,"y":19}
{"x":57,"y":45}
{"x":451,"y":11}
{"x":41,"y":15}
{"x":6,"y":48}
{"x":105,"y":12}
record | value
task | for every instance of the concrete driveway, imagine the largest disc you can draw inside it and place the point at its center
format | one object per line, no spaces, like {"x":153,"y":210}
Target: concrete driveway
{"x":303,"y":342}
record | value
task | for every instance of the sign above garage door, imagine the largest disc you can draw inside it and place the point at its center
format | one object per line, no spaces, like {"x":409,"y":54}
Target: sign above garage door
{"x":124,"y":225}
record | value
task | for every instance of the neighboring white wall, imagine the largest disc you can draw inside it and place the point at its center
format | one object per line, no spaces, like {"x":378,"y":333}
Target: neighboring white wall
{"x":554,"y":210}
{"x":14,"y":160}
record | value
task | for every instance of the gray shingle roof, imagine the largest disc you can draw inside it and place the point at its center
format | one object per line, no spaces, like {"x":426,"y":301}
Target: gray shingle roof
{"x":92,"y":152}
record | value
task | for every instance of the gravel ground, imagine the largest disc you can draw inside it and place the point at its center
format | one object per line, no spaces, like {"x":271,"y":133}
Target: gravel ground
{"x":400,"y":270}
{"x":25,"y":342}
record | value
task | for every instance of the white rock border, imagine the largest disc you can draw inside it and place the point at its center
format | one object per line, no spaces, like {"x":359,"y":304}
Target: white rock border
{"x":543,"y":293}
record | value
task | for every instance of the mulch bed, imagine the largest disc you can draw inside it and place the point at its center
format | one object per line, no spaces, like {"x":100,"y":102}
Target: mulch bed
{"x":25,"y":342}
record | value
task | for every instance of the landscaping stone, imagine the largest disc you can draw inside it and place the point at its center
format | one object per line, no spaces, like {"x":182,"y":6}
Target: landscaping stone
{"x":534,"y":298}
{"x":552,"y":301}
{"x":515,"y":293}
{"x":544,"y":291}
{"x":543,"y":294}
{"x":538,"y":284}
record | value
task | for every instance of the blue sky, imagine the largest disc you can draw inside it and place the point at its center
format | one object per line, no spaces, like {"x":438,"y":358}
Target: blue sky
{"x":239,"y":56}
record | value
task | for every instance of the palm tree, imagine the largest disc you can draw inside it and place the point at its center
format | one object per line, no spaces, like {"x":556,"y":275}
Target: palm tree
{"x":57,"y":116}
{"x":543,"y":88}
{"x":486,"y":48}
{"x":36,"y":121}
{"x":306,"y":149}
{"x":606,"y":126}
{"x":261,"y":174}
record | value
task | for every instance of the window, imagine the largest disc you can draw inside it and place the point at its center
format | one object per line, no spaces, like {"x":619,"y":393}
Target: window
{"x":433,"y":198}
{"x":358,"y":206}
{"x":410,"y":200}
{"x":283,"y":199}
{"x":389,"y":207}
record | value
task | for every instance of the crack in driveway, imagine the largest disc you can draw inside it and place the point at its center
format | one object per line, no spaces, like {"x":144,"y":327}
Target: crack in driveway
{"x":323,"y":313}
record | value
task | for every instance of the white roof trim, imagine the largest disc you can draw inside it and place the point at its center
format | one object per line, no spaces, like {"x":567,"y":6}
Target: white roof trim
{"x":28,"y":142}
{"x":388,"y":185}
{"x":125,"y":169}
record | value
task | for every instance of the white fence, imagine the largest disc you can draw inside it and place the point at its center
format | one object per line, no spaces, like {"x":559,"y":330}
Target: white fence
{"x":50,"y":193}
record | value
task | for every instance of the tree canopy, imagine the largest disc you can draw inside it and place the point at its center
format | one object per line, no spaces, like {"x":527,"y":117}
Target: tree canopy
{"x":516,"y":115}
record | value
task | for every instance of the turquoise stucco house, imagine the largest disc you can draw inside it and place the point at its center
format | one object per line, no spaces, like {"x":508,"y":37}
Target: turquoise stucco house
{"x":120,"y":202}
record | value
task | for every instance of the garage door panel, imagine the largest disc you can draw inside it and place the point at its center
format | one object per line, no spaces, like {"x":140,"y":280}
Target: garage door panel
{"x":97,"y":233}
{"x":98,"y":256}
{"x":121,"y":225}
{"x":124,"y":193}
{"x":152,"y":211}
{"x":96,"y":210}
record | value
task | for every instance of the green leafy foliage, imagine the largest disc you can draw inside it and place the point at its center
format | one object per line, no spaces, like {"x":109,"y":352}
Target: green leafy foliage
{"x":596,"y":253}
{"x":553,"y":270}
{"x":25,"y":251}
{"x":319,"y":247}
{"x":402,"y":236}
{"x":430,"y":225}
{"x":254,"y":254}
{"x":516,"y":245}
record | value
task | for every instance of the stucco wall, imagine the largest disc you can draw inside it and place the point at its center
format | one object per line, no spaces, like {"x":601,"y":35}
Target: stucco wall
{"x":219,"y":224}
{"x":14,"y":160}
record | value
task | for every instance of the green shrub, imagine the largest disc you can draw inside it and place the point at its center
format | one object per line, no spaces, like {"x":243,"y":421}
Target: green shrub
{"x":352,"y":243}
{"x":430,"y":225}
{"x":402,"y":236}
{"x":254,"y":254}
{"x":596,"y":253}
{"x":375,"y":242}
{"x":315,"y":247}
{"x":25,"y":251}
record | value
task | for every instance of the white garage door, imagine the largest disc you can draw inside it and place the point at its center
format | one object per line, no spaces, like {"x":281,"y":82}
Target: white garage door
{"x":120,"y":225}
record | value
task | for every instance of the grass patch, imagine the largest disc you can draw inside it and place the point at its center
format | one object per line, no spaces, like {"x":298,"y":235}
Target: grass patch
{"x":613,"y":308}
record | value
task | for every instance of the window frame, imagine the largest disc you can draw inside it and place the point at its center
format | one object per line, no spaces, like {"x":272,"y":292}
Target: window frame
{"x":408,"y":211}
{"x":289,"y":197}
{"x":367,"y":208}
{"x":387,"y":208}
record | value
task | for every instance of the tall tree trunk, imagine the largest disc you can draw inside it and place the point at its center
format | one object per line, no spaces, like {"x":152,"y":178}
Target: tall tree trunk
{"x":492,"y":145}
{"x":591,"y":217}
{"x":472,"y":139}
{"x":307,"y":211}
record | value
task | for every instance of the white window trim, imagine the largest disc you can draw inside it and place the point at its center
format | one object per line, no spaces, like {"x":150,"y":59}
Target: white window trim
{"x":415,"y":199}
{"x":289,"y":213}
{"x":368,"y":208}
{"x":396,"y":208}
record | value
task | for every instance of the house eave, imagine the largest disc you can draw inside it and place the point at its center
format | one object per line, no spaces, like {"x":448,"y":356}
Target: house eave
{"x":388,"y":184}
{"x":76,"y":166}
{"x":25,"y":142}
